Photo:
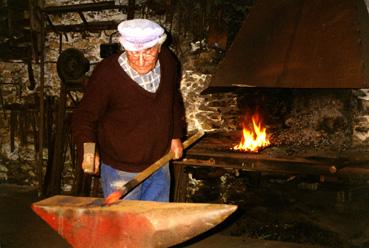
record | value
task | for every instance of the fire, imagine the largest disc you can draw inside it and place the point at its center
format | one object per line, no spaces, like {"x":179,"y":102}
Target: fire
{"x":253,"y":138}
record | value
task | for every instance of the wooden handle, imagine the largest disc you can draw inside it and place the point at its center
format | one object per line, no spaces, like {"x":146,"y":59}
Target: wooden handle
{"x":140,"y":177}
{"x":89,"y":150}
{"x":162,"y":161}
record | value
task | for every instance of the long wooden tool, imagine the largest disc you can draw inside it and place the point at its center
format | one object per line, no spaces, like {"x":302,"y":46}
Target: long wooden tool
{"x":140,"y":177}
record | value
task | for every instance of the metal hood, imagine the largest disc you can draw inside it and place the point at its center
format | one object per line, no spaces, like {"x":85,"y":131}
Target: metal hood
{"x":298,"y":44}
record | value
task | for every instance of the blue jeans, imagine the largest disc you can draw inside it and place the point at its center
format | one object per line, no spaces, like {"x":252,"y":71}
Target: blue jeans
{"x":155,"y":188}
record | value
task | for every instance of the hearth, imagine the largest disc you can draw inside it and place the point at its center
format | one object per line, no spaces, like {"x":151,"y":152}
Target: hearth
{"x":310,"y":133}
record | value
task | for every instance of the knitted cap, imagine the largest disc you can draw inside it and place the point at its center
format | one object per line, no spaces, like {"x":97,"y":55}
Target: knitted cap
{"x":139,"y":34}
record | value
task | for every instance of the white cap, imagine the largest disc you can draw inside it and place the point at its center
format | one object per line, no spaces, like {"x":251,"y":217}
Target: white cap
{"x":139,"y":34}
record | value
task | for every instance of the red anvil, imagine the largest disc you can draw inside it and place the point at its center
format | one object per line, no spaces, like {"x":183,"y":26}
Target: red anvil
{"x":86,"y":222}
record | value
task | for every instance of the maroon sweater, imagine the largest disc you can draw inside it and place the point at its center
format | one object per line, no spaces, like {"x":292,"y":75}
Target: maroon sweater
{"x":132,"y":127}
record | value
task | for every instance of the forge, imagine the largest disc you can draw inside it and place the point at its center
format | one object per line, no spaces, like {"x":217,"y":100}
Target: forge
{"x":310,"y":182}
{"x":309,"y":131}
{"x":302,"y":66}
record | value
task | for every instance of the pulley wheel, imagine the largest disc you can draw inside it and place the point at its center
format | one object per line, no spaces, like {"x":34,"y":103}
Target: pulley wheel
{"x":72,"y":65}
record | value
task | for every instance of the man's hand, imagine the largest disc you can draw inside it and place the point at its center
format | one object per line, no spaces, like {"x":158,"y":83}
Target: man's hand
{"x":177,"y":148}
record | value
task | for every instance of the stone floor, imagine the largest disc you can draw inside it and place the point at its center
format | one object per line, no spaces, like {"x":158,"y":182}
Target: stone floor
{"x":222,"y":241}
{"x":20,"y":227}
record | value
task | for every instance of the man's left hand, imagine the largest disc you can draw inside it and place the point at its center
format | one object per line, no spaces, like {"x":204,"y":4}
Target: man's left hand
{"x":177,"y":148}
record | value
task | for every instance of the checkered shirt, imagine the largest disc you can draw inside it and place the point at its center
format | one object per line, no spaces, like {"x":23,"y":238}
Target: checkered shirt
{"x":149,"y":81}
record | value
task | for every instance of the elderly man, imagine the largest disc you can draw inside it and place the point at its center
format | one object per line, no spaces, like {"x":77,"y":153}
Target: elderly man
{"x":132,"y":109}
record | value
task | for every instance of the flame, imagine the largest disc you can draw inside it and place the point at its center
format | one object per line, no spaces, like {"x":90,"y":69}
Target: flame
{"x":254,"y":138}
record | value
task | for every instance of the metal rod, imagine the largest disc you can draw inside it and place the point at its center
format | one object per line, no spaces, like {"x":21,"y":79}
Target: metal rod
{"x":131,"y":9}
{"x":83,"y":7}
{"x":92,"y":26}
{"x":39,"y":158}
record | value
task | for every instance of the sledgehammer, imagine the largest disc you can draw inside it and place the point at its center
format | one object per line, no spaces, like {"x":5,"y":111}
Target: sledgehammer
{"x":140,"y":177}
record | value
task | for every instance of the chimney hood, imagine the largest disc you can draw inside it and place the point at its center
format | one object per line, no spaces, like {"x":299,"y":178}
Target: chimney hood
{"x":298,"y":44}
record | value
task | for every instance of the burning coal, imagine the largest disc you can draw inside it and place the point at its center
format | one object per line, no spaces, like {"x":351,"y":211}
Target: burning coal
{"x":254,"y":136}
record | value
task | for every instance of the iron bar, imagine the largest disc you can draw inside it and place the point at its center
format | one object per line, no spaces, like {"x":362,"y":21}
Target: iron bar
{"x":41,"y":118}
{"x":83,"y":7}
{"x":214,"y":151}
{"x":92,"y":26}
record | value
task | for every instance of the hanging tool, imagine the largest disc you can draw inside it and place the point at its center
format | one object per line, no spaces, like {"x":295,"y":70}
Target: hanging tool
{"x":2,"y":102}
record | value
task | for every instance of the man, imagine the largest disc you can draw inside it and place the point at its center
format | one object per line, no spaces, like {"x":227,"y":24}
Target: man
{"x":132,"y":109}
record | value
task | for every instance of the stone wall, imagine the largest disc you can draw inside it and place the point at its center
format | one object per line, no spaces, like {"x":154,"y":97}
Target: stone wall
{"x":207,"y":112}
{"x":210,"y":112}
{"x":361,"y":121}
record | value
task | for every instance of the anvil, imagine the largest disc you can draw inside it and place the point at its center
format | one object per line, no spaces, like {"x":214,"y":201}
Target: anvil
{"x":86,"y":222}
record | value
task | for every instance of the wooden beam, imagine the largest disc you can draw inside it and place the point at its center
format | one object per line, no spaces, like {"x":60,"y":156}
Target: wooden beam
{"x":131,"y":9}
{"x":83,"y":7}
{"x":275,"y":167}
{"x":92,"y":27}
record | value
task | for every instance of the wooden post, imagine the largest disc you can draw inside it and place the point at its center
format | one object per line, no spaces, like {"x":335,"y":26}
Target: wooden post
{"x":39,"y":157}
{"x":131,"y":9}
{"x":54,"y":171}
